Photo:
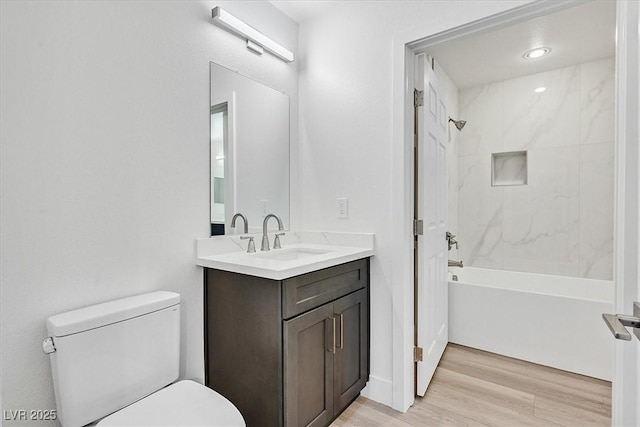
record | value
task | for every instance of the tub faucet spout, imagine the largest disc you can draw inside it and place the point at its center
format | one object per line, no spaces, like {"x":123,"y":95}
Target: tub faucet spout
{"x":265,"y":238}
{"x":452,"y":263}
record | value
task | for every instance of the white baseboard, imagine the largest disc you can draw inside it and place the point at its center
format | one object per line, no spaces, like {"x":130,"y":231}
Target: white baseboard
{"x":379,"y":390}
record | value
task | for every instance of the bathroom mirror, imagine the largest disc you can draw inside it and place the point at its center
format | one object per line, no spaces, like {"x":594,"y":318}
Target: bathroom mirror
{"x":249,"y":151}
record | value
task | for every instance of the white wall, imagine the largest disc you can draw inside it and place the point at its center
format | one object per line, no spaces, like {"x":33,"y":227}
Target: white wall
{"x":346,"y":143}
{"x":561,"y":222}
{"x":105,"y":161}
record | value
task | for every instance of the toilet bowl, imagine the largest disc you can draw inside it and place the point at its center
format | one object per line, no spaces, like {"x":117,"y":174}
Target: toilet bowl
{"x":117,"y":363}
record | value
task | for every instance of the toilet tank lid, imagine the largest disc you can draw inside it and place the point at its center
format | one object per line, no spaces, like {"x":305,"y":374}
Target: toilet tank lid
{"x":95,"y":316}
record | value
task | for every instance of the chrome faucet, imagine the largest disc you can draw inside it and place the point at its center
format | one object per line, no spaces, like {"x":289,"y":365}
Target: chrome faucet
{"x":265,"y":238}
{"x":451,"y":240}
{"x":244,"y":218}
{"x":452,"y":263}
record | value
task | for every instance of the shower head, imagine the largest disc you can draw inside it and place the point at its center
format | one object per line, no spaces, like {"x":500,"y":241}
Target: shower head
{"x":459,"y":123}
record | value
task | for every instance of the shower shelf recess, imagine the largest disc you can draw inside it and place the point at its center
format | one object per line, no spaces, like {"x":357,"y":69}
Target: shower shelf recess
{"x":509,"y":168}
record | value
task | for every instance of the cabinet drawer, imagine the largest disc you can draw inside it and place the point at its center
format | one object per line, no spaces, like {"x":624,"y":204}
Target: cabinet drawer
{"x":302,"y":293}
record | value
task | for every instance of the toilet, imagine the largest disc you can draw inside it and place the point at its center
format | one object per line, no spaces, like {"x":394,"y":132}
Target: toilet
{"x":117,"y":362}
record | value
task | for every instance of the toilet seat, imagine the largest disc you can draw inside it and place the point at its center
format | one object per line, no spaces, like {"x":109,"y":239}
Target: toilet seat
{"x":185,"y":403}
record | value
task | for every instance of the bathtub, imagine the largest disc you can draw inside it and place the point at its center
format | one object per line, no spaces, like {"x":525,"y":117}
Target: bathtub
{"x":550,"y":320}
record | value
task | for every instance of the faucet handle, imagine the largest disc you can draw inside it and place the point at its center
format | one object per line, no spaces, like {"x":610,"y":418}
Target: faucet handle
{"x":276,"y":242}
{"x":451,"y":240}
{"x":251,"y":247}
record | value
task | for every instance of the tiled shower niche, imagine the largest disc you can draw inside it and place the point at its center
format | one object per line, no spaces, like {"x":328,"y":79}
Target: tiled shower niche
{"x":509,"y":168}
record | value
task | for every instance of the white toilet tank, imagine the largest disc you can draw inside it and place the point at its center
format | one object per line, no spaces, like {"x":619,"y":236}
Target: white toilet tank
{"x":110,"y":355}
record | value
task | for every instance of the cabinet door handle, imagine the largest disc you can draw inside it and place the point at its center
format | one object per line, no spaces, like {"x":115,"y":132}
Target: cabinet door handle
{"x":334,"y":335}
{"x":341,"y":331}
{"x":331,"y":330}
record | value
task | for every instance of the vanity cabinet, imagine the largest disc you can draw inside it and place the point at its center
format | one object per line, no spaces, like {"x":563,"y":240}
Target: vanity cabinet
{"x":292,"y":352}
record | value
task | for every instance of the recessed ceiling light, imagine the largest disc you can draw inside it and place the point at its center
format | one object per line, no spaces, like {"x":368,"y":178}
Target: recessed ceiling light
{"x":536,"y":53}
{"x":540,"y":89}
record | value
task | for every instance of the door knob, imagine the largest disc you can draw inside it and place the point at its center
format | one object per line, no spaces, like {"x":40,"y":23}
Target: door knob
{"x":617,"y":323}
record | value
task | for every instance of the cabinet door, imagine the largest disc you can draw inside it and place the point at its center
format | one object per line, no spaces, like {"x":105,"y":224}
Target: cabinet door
{"x":309,"y":342}
{"x":243,"y":344}
{"x":352,"y":348}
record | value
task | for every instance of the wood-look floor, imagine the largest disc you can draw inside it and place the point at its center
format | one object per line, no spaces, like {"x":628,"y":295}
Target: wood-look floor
{"x":476,"y":388}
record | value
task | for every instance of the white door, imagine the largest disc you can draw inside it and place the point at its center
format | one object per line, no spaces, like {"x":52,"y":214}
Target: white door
{"x":626,"y":374}
{"x":431,"y":204}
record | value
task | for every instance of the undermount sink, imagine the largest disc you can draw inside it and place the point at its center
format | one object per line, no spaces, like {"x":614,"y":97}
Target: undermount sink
{"x":302,"y":252}
{"x":289,"y":254}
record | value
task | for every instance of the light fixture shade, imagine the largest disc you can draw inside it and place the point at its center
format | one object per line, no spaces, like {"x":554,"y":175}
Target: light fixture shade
{"x":236,"y":25}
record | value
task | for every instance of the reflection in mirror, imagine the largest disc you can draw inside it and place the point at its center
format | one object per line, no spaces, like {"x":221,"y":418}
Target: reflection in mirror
{"x":219,"y":138}
{"x":249,"y":151}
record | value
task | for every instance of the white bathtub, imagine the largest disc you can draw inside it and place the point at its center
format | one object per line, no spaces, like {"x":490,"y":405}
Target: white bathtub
{"x":549,"y":320}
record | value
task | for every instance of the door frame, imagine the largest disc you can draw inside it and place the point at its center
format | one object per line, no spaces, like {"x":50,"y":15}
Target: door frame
{"x":626,"y":365}
{"x":406,"y":44}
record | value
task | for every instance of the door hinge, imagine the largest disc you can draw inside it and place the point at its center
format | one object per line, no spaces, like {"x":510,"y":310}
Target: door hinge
{"x":417,"y":227}
{"x":418,"y":98}
{"x":417,"y":354}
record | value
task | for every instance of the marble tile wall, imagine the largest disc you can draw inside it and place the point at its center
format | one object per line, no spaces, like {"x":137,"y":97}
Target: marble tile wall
{"x":561,"y":222}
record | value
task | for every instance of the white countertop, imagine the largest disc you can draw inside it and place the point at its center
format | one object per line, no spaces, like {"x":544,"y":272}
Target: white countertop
{"x":319,"y":250}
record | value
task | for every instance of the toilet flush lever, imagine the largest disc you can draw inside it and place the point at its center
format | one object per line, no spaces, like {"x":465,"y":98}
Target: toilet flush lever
{"x":48,"y":345}
{"x":617,"y":323}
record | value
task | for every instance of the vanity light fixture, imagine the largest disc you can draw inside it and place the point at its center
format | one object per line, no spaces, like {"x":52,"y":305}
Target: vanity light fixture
{"x":256,"y":41}
{"x":540,"y":89}
{"x":536,"y":53}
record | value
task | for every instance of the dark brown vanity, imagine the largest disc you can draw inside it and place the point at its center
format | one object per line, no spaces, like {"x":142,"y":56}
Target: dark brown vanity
{"x":291,"y":352}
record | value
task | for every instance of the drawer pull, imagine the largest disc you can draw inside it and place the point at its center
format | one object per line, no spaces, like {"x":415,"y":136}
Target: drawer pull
{"x":341,"y":331}
{"x":334,"y":335}
{"x":331,"y":330}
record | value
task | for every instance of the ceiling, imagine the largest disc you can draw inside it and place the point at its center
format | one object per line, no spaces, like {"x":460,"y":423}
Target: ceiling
{"x":301,"y":10}
{"x":577,"y":34}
